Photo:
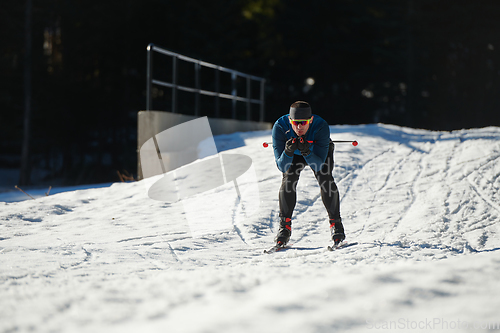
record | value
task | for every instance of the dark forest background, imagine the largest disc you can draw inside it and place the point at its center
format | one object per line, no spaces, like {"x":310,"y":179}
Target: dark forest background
{"x":76,"y":70}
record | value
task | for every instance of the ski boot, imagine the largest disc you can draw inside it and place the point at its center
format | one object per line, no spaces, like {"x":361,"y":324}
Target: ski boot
{"x":337,"y":231}
{"x":284,"y":232}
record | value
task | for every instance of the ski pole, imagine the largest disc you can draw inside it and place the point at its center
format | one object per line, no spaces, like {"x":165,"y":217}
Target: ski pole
{"x":353,"y":142}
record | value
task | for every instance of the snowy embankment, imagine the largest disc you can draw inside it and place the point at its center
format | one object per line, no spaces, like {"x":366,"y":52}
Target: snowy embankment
{"x":423,"y":207}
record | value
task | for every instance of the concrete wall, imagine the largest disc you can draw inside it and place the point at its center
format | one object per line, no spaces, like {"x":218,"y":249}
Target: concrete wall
{"x":151,"y":123}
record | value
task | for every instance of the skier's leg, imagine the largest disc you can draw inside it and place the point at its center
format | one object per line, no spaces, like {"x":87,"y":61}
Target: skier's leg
{"x":288,"y":189}
{"x":288,"y":198}
{"x":330,"y":196}
{"x":329,"y":190}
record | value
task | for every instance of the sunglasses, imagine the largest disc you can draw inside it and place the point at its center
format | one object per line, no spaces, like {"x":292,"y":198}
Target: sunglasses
{"x":297,"y":122}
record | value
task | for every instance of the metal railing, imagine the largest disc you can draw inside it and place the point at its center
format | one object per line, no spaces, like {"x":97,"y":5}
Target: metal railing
{"x":198,"y":64}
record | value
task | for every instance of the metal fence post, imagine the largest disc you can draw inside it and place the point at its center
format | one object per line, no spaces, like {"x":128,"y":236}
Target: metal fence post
{"x":197,"y":85}
{"x":217,"y":90}
{"x":234,"y":93}
{"x":249,"y":110}
{"x":149,"y":77}
{"x":174,"y":84}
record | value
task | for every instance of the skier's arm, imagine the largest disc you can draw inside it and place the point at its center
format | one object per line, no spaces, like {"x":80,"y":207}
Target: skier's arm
{"x":283,"y":161}
{"x":320,"y":150}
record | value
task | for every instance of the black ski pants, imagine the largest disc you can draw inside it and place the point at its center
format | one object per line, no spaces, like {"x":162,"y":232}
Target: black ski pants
{"x":328,"y":188}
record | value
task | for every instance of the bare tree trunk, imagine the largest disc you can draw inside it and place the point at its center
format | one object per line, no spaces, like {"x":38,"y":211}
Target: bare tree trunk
{"x":25,"y":174}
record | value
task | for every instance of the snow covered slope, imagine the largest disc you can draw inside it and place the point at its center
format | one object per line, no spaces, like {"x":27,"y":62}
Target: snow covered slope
{"x":423,"y":207}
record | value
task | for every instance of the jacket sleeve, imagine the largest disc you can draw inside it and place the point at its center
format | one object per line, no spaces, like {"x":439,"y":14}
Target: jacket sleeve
{"x":320,"y":150}
{"x":283,"y":161}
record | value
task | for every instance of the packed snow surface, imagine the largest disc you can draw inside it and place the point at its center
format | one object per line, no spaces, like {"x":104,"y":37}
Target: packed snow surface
{"x":422,"y":206}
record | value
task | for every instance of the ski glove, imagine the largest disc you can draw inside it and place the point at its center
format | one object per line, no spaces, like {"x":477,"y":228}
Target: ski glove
{"x":290,"y":146}
{"x":304,"y":146}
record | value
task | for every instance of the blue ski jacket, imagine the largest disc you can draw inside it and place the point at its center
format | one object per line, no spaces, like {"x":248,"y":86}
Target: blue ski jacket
{"x":318,"y":135}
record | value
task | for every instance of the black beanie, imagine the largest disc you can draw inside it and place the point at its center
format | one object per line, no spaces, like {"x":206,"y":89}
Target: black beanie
{"x":301,"y":112}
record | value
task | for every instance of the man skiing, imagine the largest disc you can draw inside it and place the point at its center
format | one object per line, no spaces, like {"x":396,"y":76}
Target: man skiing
{"x":300,"y":139}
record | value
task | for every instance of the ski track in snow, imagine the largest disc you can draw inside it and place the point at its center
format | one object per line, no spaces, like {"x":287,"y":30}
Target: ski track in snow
{"x":422,"y":206}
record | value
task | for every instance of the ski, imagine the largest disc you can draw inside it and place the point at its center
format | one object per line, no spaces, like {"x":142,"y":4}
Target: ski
{"x":277,"y":248}
{"x":340,"y":245}
{"x":332,"y":247}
